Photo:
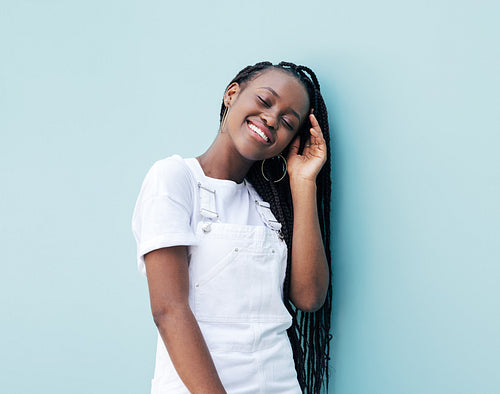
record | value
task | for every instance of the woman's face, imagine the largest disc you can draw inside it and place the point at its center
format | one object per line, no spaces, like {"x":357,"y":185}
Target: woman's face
{"x":264,"y":114}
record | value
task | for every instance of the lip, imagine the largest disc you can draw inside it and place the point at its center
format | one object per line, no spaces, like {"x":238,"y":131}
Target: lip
{"x":264,"y":129}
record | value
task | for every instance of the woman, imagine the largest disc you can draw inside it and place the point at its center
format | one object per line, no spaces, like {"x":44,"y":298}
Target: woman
{"x":235,"y":244}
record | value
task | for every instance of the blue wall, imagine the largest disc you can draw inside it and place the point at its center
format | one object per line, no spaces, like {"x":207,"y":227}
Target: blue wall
{"x":93,"y":92}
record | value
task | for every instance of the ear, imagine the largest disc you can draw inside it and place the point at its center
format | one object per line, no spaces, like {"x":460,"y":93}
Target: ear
{"x":231,"y":94}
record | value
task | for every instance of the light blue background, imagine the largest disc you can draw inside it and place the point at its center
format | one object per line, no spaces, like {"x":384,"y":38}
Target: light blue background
{"x":93,"y":92}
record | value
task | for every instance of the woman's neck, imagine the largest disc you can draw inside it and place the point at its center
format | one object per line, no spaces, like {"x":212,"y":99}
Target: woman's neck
{"x":222,"y":161}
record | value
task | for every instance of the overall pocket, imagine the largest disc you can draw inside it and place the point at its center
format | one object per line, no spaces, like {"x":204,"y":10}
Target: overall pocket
{"x":244,"y":286}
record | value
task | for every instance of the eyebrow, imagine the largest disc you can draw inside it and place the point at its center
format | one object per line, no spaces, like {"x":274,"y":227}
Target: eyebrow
{"x":278,"y":96}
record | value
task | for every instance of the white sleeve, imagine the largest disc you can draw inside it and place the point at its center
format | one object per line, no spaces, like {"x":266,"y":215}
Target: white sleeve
{"x":162,"y":213}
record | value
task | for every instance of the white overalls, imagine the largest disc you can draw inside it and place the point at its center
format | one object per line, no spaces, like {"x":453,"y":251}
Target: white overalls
{"x":236,"y":275}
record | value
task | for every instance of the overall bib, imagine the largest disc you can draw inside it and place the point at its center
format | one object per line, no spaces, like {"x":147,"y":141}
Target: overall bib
{"x":236,"y":275}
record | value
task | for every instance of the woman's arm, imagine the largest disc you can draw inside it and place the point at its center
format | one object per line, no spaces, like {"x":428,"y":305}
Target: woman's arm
{"x":310,"y":275}
{"x":168,"y":281}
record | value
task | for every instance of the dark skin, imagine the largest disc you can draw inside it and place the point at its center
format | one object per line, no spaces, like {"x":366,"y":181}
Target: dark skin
{"x":276,"y":103}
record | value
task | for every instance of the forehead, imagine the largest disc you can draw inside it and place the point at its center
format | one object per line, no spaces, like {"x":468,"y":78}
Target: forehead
{"x":287,"y":86}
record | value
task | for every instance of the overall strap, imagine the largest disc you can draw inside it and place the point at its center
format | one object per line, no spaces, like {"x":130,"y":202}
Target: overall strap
{"x":207,"y":202}
{"x":206,"y":192}
{"x":264,"y":209}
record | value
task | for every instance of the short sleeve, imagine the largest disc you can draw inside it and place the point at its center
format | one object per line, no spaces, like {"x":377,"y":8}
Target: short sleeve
{"x":163,"y":211}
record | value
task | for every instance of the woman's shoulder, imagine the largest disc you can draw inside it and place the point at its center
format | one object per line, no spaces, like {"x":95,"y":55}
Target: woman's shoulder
{"x":172,"y":168}
{"x":169,"y":175}
{"x":174,"y":163}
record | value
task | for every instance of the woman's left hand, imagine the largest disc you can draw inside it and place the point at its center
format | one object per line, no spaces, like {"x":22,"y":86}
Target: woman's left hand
{"x":307,"y":165}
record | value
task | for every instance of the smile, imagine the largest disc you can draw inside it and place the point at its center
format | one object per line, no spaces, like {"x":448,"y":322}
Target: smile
{"x":259,"y":132}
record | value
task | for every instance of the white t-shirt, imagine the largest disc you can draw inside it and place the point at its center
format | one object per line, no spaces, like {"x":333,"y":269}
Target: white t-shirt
{"x":167,"y":210}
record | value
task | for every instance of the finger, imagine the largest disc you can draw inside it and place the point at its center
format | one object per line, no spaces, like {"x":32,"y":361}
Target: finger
{"x":314,"y":123}
{"x":313,"y":119}
{"x":319,"y":143}
{"x":317,"y":136}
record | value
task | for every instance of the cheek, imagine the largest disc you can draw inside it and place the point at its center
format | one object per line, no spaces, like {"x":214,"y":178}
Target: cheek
{"x":285,"y":143}
{"x":291,"y":137}
{"x":239,"y":113}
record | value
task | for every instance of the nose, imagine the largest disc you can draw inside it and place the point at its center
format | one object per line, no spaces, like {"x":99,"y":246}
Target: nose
{"x":269,"y":119}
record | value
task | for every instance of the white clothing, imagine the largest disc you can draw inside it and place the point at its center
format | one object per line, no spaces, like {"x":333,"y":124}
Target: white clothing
{"x":236,"y":274}
{"x":167,"y":209}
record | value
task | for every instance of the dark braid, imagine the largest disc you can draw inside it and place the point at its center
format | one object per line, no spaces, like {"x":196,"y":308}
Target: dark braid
{"x":310,"y":331}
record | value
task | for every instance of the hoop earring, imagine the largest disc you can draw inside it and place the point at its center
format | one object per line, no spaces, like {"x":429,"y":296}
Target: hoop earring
{"x":223,"y":121}
{"x":284,"y":167}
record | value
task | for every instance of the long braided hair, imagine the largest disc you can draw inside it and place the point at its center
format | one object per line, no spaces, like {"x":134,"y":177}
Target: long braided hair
{"x":309,"y":334}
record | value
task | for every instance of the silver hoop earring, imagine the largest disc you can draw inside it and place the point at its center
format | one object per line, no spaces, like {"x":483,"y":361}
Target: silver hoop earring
{"x":284,"y":168}
{"x":223,"y":121}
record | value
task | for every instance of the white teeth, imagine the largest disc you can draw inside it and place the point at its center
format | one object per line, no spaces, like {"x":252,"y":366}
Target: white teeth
{"x":258,"y":131}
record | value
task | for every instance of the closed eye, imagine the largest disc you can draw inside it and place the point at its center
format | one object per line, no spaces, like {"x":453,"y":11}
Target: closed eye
{"x":264,"y":101}
{"x":287,"y":125}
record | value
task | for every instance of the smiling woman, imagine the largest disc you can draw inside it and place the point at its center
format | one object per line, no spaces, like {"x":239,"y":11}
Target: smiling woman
{"x":237,"y":259}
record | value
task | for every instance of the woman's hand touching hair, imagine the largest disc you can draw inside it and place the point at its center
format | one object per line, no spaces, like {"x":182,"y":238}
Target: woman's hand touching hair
{"x":307,"y":165}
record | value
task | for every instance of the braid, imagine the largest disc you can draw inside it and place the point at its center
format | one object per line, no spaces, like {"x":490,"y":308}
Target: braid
{"x":309,"y":334}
